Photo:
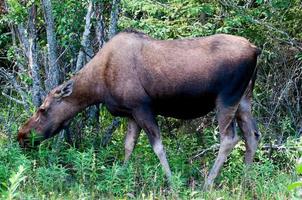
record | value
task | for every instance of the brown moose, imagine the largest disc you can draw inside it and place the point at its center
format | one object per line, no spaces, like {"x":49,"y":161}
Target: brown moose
{"x":139,"y":77}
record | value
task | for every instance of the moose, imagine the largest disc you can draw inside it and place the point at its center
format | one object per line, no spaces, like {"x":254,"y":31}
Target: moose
{"x":139,"y":77}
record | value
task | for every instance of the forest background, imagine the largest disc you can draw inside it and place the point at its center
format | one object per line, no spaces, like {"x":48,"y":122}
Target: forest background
{"x":43,"y":43}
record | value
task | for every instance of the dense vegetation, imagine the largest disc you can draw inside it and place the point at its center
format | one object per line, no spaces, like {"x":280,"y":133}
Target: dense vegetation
{"x":91,"y":167}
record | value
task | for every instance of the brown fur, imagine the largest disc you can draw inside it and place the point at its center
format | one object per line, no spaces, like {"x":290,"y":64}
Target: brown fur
{"x":140,"y":77}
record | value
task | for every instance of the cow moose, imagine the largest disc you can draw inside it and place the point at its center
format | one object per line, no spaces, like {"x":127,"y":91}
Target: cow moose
{"x":139,"y":77}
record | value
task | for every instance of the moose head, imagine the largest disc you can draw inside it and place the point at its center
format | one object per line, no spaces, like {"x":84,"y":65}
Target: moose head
{"x":52,"y":116}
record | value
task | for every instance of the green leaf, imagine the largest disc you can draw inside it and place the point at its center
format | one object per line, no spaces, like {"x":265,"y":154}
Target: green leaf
{"x":259,"y":1}
{"x":299,"y":168}
{"x":294,"y":185}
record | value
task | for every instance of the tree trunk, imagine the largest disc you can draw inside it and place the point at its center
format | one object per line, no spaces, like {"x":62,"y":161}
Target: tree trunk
{"x":100,"y":25}
{"x":23,"y":39}
{"x":113,"y":18}
{"x":28,"y":41}
{"x":85,"y":39}
{"x":33,"y":57}
{"x":53,"y":78}
{"x":109,"y":131}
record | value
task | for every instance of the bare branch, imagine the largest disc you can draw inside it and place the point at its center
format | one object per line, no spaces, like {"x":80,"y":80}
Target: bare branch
{"x":290,"y":41}
{"x":11,"y":79}
{"x":204,"y":151}
{"x":14,"y":99}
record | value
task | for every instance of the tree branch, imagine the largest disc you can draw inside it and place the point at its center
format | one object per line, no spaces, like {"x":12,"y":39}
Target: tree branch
{"x":13,"y":99}
{"x":10,"y":78}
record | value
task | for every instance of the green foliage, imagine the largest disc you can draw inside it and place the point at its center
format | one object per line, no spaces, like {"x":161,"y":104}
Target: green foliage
{"x":296,"y":186}
{"x":18,"y":12}
{"x":14,"y":182}
{"x":51,"y":178}
{"x":66,"y":172}
{"x":88,"y":171}
{"x":175,"y":19}
{"x":11,"y":157}
{"x":70,"y":21}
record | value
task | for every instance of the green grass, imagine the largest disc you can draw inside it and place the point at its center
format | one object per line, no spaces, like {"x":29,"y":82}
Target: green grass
{"x":61,"y":171}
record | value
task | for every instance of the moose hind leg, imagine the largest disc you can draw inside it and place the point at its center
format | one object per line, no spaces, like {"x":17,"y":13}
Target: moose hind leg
{"x":228,"y":139}
{"x":146,"y":120}
{"x":133,"y":131}
{"x":249,"y":128}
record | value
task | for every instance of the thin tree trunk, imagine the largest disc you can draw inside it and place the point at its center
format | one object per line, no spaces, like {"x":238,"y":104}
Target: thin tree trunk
{"x":14,"y":32}
{"x":113,"y":18}
{"x":28,"y":41}
{"x":87,"y":53}
{"x":112,"y":32}
{"x":33,"y":57}
{"x":109,"y":131}
{"x":94,"y":111}
{"x":100,"y":25}
{"x":85,"y":37}
{"x":53,"y":78}
{"x":23,"y":39}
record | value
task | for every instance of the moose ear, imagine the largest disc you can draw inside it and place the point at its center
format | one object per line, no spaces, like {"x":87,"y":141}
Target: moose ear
{"x":65,"y":90}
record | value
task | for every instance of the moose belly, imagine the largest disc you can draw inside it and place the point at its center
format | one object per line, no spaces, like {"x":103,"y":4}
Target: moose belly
{"x":184,"y":107}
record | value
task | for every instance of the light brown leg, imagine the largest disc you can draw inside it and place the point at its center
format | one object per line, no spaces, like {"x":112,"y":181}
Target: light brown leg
{"x":132,"y":135}
{"x":146,"y":119}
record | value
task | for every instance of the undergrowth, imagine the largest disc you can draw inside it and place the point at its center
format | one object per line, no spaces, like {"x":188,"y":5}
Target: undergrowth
{"x":57,"y":170}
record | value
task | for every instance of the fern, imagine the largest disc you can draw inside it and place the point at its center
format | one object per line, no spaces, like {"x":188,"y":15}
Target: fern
{"x":14,"y":182}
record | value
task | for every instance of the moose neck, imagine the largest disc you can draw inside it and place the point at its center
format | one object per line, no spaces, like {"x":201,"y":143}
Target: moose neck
{"x":88,"y":87}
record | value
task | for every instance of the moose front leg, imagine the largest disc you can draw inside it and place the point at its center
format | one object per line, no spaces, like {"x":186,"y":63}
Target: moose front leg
{"x":146,"y":120}
{"x":132,"y":135}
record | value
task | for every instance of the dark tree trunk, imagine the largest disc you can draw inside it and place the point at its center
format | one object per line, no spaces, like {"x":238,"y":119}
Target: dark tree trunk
{"x":53,"y":78}
{"x":23,"y":39}
{"x":109,"y":131}
{"x":100,"y":25}
{"x":113,"y":18}
{"x":33,"y":57}
{"x":85,"y":38}
{"x":112,"y":32}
